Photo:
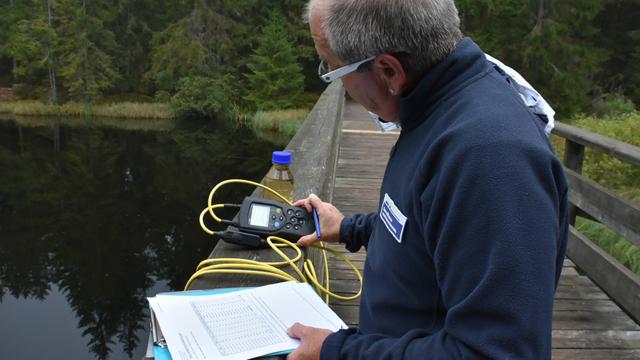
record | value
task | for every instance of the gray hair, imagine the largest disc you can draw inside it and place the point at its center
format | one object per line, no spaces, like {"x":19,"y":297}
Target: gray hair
{"x":420,"y":33}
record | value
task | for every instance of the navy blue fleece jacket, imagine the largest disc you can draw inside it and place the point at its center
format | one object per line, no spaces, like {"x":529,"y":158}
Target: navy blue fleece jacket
{"x":485,"y":199}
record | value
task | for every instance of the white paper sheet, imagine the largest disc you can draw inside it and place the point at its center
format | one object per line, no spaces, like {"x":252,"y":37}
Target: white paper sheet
{"x":239,"y":325}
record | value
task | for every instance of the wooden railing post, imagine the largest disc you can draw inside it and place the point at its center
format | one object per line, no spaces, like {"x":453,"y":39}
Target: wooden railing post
{"x":618,"y":214}
{"x":573,"y":159}
{"x":312,"y":148}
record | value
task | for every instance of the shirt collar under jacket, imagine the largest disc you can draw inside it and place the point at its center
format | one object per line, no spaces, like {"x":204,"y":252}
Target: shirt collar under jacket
{"x":466,"y":63}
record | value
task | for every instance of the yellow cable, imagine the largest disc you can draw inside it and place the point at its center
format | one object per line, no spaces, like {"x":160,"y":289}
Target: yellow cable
{"x":270,"y":269}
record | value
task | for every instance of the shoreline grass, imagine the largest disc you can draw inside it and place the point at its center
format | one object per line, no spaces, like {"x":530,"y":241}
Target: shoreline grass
{"x":285,"y":122}
{"x":121,"y":110}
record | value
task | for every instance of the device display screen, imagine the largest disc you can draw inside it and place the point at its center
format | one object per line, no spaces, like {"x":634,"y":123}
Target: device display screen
{"x":259,"y":215}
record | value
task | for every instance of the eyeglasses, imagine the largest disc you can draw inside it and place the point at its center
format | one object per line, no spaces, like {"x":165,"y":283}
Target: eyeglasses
{"x":329,"y":76}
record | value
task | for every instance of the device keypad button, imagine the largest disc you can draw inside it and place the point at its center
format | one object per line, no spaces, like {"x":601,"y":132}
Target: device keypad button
{"x":288,"y":225}
{"x":297,"y":227}
{"x":289,"y":212}
{"x":298,"y":213}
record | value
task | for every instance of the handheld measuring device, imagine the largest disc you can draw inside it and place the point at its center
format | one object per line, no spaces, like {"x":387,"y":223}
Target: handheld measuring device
{"x":271,"y":218}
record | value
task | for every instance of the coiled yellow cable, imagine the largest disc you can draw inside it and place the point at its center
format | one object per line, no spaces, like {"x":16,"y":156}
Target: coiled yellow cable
{"x":270,"y":269}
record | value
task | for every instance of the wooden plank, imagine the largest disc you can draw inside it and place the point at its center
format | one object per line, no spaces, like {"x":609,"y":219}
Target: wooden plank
{"x":346,"y":182}
{"x":370,"y":132}
{"x":571,"y":322}
{"x":618,"y":281}
{"x":585,"y":305}
{"x":618,"y":213}
{"x":573,"y":159}
{"x":572,"y":293}
{"x":595,"y":354}
{"x":593,"y":320}
{"x":623,"y":151}
{"x":568,"y":262}
{"x":573,"y":156}
{"x":569,"y":271}
{"x":596,"y":339}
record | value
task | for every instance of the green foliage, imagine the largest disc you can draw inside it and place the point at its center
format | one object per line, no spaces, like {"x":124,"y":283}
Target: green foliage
{"x":85,"y":55}
{"x":30,"y":43}
{"x":574,"y":51}
{"x":606,"y":170}
{"x":74,"y":109}
{"x":613,"y":105}
{"x":624,"y":251}
{"x":620,"y":35}
{"x":133,"y":34}
{"x":549,"y":42}
{"x":285,"y":122}
{"x":208,"y":97}
{"x":276,"y":80}
{"x":184,"y":49}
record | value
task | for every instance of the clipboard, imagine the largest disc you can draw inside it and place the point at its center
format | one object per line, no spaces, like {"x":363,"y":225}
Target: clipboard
{"x":160,"y":351}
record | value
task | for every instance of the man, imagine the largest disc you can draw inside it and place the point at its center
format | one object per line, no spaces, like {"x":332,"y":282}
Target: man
{"x":466,"y":251}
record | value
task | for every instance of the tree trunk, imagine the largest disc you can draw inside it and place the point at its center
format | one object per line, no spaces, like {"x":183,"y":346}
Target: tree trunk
{"x":53,"y":89}
{"x":14,"y":63}
{"x":539,"y":27}
{"x":85,"y":54}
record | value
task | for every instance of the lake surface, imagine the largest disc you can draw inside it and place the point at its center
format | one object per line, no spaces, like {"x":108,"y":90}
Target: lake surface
{"x":94,"y":217}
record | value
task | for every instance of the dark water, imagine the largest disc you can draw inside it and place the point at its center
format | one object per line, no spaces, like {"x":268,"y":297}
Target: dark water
{"x":93,"y":219}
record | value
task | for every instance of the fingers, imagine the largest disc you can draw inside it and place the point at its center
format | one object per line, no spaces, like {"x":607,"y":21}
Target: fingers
{"x":307,"y":240}
{"x":296,"y":331}
{"x":309,"y":203}
{"x":315,"y":201}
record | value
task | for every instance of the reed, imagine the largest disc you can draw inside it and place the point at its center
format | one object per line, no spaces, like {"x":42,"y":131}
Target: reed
{"x":285,"y":122}
{"x":122,"y":110}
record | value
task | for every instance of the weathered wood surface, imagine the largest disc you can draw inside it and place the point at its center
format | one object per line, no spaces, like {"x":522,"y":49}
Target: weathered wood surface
{"x":587,"y":324}
{"x":607,"y":207}
{"x":313,"y":149}
{"x":618,"y":281}
{"x":623,"y":151}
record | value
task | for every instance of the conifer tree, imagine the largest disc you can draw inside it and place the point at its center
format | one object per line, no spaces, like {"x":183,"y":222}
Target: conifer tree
{"x":87,"y":64}
{"x":276,"y":80}
{"x":31,"y":42}
{"x":198,"y":45}
{"x":551,"y":42}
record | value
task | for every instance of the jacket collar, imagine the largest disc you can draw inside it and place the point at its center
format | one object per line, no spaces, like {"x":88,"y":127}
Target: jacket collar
{"x":464,"y":64}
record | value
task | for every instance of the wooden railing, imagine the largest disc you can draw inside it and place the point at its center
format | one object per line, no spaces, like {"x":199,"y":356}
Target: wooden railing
{"x":6,"y":94}
{"x":596,"y":202}
{"x":314,"y":149}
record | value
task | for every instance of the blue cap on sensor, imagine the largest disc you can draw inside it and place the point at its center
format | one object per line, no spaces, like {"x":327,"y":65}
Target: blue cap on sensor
{"x":281,"y":157}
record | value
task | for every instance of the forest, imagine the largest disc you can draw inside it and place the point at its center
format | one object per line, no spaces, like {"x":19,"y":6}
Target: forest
{"x":206,"y":60}
{"x":224,"y":57}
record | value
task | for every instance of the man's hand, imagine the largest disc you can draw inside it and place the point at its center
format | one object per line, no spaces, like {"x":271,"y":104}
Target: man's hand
{"x":311,"y":340}
{"x":328,"y":215}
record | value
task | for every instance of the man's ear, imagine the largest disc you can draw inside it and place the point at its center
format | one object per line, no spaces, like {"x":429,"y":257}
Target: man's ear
{"x":389,"y":69}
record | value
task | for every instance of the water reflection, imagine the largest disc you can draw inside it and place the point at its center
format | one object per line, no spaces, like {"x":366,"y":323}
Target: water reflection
{"x":101,"y":214}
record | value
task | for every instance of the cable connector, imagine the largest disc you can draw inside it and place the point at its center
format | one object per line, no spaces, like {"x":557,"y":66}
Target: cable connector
{"x":242,"y":239}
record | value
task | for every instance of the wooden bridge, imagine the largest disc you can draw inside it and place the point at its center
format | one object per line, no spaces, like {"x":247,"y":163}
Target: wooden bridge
{"x":340,"y":155}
